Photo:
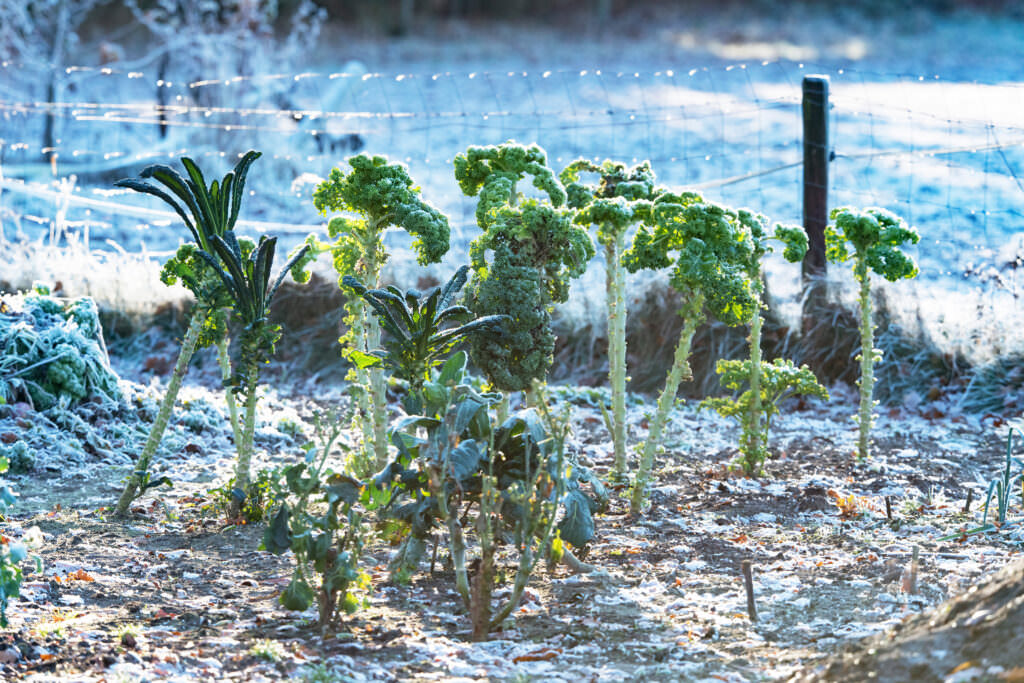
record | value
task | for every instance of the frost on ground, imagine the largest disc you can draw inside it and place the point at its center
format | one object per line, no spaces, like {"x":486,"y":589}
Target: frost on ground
{"x":831,"y":544}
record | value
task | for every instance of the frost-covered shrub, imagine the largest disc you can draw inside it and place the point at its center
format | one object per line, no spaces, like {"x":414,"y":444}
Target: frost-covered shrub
{"x":19,"y":456}
{"x":52,"y":351}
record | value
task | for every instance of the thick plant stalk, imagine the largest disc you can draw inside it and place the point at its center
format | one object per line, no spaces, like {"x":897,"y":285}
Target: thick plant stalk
{"x":245,"y":448}
{"x":483,"y":582}
{"x":680,"y":370}
{"x":163,"y":416}
{"x":754,"y":417}
{"x":867,"y":361}
{"x":224,"y":360}
{"x":616,"y":287}
{"x":373,"y":398}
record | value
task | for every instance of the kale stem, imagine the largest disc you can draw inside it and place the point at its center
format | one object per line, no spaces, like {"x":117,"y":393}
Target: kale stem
{"x":163,"y":416}
{"x":224,"y":360}
{"x":867,"y":359}
{"x":616,"y":287}
{"x":680,"y":370}
{"x":245,"y":448}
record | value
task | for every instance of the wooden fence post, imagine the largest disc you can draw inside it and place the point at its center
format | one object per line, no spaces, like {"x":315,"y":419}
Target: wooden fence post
{"x":816,"y":160}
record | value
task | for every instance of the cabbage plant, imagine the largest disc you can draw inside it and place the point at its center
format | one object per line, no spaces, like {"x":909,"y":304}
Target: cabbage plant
{"x":872,"y":238}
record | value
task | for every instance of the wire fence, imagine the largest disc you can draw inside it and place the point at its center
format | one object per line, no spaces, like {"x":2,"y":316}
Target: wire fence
{"x":945,"y":155}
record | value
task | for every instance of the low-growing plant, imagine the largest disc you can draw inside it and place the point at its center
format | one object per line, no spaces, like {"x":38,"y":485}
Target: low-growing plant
{"x":709,"y":248}
{"x":382,"y":195}
{"x":777,"y":381}
{"x":522,"y":263}
{"x":12,"y":553}
{"x":247,"y":279}
{"x":1003,"y":486}
{"x":53,"y":352}
{"x":267,"y":649}
{"x":875,"y":236}
{"x":321,"y":521}
{"x":516,"y":474}
{"x":621,"y":199}
{"x":208,"y":212}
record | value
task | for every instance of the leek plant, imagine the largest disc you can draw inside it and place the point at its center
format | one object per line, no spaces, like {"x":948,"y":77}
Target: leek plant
{"x":620,"y":200}
{"x":383,"y":195}
{"x":208,"y":212}
{"x":875,"y":236}
{"x":709,"y":247}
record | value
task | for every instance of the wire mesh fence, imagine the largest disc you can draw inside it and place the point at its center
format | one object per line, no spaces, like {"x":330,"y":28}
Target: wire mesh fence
{"x":945,"y":155}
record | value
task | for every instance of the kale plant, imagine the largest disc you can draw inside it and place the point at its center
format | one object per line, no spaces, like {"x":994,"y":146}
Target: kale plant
{"x":52,"y":352}
{"x":382,"y":195}
{"x":875,"y":236}
{"x":534,"y":251}
{"x":419,"y":330}
{"x":776,"y":382}
{"x":208,"y":212}
{"x":768,"y":384}
{"x":621,"y":199}
{"x":709,"y":248}
{"x":247,"y":279}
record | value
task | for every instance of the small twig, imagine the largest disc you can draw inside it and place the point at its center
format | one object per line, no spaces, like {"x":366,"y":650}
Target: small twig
{"x":967,"y":503}
{"x":888,"y":508}
{"x":910,"y":574}
{"x":748,"y":580}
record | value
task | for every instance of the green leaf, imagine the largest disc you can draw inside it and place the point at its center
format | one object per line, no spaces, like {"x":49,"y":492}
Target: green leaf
{"x":277,"y":537}
{"x":577,"y":526}
{"x":465,"y":460}
{"x":453,"y":369}
{"x":341,"y":487}
{"x":298,"y":596}
{"x":364,"y":360}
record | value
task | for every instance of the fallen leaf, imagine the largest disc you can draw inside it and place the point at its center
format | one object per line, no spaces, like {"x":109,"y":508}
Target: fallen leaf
{"x":544,"y":655}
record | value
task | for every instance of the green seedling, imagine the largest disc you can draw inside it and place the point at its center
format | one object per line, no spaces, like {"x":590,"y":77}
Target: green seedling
{"x":207,"y":212}
{"x":247,"y":279}
{"x":621,"y":199}
{"x":382,"y":195}
{"x":1000,"y":489}
{"x":709,"y":248}
{"x":875,"y":236}
{"x":523,"y":261}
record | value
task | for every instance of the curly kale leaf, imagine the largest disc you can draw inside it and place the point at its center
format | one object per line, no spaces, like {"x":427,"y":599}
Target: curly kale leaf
{"x":711,"y":249}
{"x":383,"y":194}
{"x":492,"y":171}
{"x":876,"y":236}
{"x":525,"y":351}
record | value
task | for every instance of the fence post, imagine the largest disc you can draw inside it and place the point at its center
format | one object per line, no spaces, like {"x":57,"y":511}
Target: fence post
{"x":816,"y":159}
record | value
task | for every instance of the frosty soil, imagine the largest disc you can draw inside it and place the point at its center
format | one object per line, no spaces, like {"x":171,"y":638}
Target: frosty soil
{"x":669,"y":604}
